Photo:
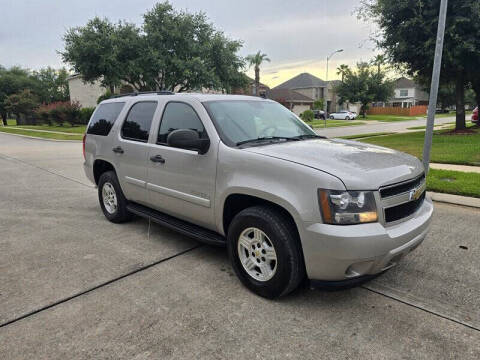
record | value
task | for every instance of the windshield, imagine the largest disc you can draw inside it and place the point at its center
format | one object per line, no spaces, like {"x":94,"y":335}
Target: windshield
{"x":239,"y":121}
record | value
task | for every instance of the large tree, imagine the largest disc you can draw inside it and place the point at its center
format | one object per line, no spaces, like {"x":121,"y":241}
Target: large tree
{"x":13,"y":81}
{"x":364,"y":85}
{"x":173,"y":50}
{"x":407,"y":34}
{"x":51,"y":85}
{"x":256,"y":60}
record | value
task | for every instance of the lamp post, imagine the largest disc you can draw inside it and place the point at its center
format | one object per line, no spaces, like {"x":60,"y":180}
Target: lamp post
{"x":432,"y":105}
{"x":326,"y":88}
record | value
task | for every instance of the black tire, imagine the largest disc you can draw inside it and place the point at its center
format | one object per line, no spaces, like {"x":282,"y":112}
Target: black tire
{"x":121,"y":214}
{"x":290,"y":268}
{"x":332,"y":117}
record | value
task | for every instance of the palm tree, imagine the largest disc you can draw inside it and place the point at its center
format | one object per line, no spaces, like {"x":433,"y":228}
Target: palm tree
{"x":379,"y":61}
{"x":343,"y":70}
{"x":257,"y":60}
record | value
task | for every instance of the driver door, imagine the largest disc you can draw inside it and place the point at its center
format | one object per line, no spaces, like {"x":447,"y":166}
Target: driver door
{"x":181,"y":182}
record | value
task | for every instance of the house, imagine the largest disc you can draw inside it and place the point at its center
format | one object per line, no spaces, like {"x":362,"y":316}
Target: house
{"x":312,"y":87}
{"x":291,"y":99}
{"x":407,"y":94}
{"x":85,"y":94}
{"x":250,"y":89}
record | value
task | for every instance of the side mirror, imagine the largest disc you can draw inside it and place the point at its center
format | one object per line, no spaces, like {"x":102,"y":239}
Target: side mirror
{"x":188,"y":139}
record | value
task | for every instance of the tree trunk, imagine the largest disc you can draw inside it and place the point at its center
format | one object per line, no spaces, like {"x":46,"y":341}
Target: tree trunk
{"x":460,"y":102}
{"x":112,"y":89}
{"x":4,"y":118}
{"x":257,"y":80}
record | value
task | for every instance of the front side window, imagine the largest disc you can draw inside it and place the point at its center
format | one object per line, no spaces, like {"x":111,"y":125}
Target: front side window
{"x":403,"y":93}
{"x":104,"y":118}
{"x":179,"y":116}
{"x":238,"y":121}
{"x":139,"y":120}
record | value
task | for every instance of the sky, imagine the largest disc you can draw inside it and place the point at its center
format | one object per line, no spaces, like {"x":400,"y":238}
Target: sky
{"x":297,"y":35}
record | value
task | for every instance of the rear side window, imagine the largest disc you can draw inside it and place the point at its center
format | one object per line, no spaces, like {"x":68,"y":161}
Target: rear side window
{"x":179,"y":116}
{"x":139,"y":120}
{"x":104,"y":118}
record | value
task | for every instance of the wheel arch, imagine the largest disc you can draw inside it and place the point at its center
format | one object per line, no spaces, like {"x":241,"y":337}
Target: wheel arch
{"x":100,"y":166}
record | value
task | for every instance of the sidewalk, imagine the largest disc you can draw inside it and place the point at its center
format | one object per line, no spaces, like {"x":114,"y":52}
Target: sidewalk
{"x":45,"y":131}
{"x":452,"y":167}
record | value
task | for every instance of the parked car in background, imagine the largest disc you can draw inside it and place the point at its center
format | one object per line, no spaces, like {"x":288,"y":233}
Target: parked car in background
{"x":246,"y":173}
{"x":319,"y":114}
{"x":343,"y":115}
{"x":475,"y":116}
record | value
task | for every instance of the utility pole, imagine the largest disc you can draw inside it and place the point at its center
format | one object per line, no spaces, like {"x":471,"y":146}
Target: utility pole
{"x":325,"y":95}
{"x":432,"y":105}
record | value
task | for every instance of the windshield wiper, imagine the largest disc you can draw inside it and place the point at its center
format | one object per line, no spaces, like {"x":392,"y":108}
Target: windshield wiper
{"x":308,"y":136}
{"x":267,"y":138}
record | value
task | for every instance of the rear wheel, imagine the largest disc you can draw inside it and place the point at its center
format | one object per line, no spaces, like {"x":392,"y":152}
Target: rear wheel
{"x":265,"y":251}
{"x":111,"y":198}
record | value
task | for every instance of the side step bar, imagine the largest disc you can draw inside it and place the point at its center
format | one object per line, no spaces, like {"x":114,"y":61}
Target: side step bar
{"x":194,"y":231}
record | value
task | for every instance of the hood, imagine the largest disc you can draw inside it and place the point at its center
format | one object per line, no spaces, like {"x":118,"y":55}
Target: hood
{"x":358,"y":165}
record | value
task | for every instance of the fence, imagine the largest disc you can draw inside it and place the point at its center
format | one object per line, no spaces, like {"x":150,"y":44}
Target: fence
{"x":412,"y":111}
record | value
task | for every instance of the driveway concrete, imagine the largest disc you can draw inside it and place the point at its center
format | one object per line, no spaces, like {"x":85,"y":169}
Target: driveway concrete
{"x":376,"y":127}
{"x":73,"y":285}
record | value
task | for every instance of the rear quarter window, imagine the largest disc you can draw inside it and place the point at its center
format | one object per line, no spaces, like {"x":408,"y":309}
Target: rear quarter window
{"x":104,"y":118}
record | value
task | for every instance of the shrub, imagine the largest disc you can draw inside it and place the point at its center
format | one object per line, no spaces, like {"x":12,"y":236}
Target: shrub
{"x":60,"y":112}
{"x":307,"y":115}
{"x":86,"y":114}
{"x":108,"y":94}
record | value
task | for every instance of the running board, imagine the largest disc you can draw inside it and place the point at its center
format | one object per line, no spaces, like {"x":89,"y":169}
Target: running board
{"x":194,"y":231}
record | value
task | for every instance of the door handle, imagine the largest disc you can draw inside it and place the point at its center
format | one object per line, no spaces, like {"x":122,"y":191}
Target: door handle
{"x":157,"y":159}
{"x":118,"y":150}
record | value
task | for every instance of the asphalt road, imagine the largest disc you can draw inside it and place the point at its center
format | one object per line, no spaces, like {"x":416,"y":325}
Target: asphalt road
{"x":73,"y":285}
{"x":377,"y":126}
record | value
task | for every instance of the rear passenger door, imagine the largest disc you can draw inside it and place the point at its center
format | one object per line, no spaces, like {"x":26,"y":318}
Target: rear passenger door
{"x":131,"y":150}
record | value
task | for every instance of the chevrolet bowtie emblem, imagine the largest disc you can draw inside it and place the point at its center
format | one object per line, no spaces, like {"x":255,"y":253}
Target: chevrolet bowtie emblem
{"x":417,"y":192}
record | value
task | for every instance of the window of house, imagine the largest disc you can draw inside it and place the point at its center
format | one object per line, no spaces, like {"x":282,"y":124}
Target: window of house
{"x":104,"y":118}
{"x":139,"y":120}
{"x":177,"y":116}
{"x":404,"y":93}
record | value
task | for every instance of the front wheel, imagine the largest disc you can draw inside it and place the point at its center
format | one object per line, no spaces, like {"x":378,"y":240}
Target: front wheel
{"x":265,"y":251}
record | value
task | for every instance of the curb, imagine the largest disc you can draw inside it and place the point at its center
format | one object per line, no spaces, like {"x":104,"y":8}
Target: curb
{"x":39,"y":138}
{"x":455,"y":199}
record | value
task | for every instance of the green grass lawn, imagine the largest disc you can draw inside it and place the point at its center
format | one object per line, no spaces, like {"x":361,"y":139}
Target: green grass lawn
{"x":44,"y":135}
{"x":388,"y":118}
{"x":334,"y":123}
{"x":78,"y":129}
{"x":454,"y":182}
{"x":447,"y":149}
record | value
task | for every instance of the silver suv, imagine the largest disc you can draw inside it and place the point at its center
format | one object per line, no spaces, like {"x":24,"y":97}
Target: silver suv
{"x":248,"y":174}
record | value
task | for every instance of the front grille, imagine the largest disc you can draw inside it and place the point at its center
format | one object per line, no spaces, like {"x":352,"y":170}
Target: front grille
{"x":404,"y":210}
{"x":401,"y":188}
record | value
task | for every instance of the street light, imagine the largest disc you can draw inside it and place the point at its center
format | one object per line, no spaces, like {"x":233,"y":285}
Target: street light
{"x":325,"y":96}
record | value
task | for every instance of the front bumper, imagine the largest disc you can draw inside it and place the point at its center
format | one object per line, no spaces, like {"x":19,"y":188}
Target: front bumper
{"x":336,"y":253}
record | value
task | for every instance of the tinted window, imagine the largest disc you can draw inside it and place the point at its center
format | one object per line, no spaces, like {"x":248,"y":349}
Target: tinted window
{"x":179,"y":116}
{"x":104,"y":118}
{"x":138,"y":122}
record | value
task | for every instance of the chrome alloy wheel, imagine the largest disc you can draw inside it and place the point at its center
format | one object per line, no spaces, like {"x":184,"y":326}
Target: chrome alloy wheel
{"x":109,"y":198}
{"x":257,"y":254}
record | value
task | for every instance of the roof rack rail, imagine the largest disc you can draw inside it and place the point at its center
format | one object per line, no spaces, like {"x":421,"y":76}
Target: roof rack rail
{"x":162,"y":92}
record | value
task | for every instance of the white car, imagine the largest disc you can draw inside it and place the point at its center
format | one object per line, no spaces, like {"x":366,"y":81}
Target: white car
{"x":343,"y":115}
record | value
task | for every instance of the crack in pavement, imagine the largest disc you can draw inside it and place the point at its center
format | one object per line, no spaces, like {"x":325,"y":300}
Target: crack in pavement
{"x":96,"y":287}
{"x":10,"y":158}
{"x":422,"y":308}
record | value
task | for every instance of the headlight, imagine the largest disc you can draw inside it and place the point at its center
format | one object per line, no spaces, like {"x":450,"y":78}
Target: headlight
{"x":347,"y":207}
